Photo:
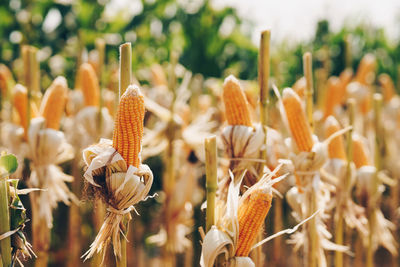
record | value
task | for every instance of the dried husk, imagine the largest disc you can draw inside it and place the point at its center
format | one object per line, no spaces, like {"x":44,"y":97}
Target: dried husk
{"x":122,"y":187}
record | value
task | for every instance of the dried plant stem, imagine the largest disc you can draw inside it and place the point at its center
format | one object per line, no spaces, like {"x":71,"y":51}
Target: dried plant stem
{"x":307,"y":67}
{"x":263,"y":79}
{"x":122,"y":261}
{"x":125,"y":67}
{"x":378,"y":154}
{"x":31,"y":76}
{"x":278,"y":225}
{"x":211,"y":179}
{"x":98,"y":217}
{"x":5,"y":244}
{"x":340,"y":220}
{"x":40,"y":232}
{"x":311,"y":248}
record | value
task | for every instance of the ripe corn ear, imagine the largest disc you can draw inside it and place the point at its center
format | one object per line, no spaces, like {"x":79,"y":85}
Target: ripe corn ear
{"x":89,"y":85}
{"x":336,"y":149}
{"x":128,"y":131}
{"x":366,"y":70}
{"x":360,"y":157}
{"x":236,"y":105}
{"x":333,"y":96}
{"x":388,"y":88}
{"x":298,"y":123}
{"x":251,"y":216}
{"x":20,"y":102}
{"x":345,"y":78}
{"x":53,"y":103}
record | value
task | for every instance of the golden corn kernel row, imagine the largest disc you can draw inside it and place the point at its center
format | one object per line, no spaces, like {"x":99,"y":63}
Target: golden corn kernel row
{"x":251,"y":215}
{"x":128,"y":131}
{"x":298,"y":123}
{"x":53,"y":103}
{"x":89,"y":84}
{"x":336,"y":147}
{"x":236,"y":106}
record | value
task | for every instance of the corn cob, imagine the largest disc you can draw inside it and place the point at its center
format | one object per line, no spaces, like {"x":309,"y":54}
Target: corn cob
{"x":128,"y":129}
{"x":300,"y":87}
{"x":5,"y":79}
{"x":298,"y":124}
{"x":365,"y":72}
{"x":336,"y":147}
{"x":388,"y":88}
{"x":251,"y":215}
{"x":360,"y":157}
{"x":236,"y":105}
{"x":20,"y":100}
{"x":89,"y":85}
{"x":345,"y":78}
{"x":333,"y":96}
{"x":53,"y":103}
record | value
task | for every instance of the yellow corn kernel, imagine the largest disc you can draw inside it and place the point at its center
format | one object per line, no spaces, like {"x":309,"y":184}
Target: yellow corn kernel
{"x":53,"y":103}
{"x":336,"y":149}
{"x":236,"y":105}
{"x":333,"y":96}
{"x":360,"y":156}
{"x":158,"y":77}
{"x":89,"y":85}
{"x":388,"y":88}
{"x":251,"y":215}
{"x":366,"y":70}
{"x":300,"y":87}
{"x":20,"y":102}
{"x":298,"y":123}
{"x":128,"y":129}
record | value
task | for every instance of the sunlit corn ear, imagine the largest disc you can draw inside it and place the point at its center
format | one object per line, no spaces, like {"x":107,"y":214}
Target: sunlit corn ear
{"x":53,"y":103}
{"x":6,"y":79}
{"x":336,"y":147}
{"x":158,"y":76}
{"x":236,"y":105}
{"x":300,"y":87}
{"x":89,"y":85}
{"x":333,"y":96}
{"x":366,"y":70}
{"x":20,"y":101}
{"x":345,"y":78}
{"x":128,"y":131}
{"x":251,"y":215}
{"x":296,"y":117}
{"x":360,"y":154}
{"x":388,"y":88}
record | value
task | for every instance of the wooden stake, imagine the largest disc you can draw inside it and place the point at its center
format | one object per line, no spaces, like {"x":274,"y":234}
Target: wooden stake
{"x":211,"y":179}
{"x":5,"y":244}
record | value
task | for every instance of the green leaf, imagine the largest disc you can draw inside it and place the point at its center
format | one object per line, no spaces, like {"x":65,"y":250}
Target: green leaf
{"x":9,"y":163}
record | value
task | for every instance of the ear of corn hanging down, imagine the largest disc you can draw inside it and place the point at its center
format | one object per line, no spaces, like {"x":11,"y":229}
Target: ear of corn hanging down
{"x":298,"y":123}
{"x":53,"y":103}
{"x":5,"y":79}
{"x":336,"y":147}
{"x":251,"y":215}
{"x":236,"y":105}
{"x":89,"y":85}
{"x":360,"y":156}
{"x":388,"y":88}
{"x":20,"y":101}
{"x":128,"y":131}
{"x":333,"y":96}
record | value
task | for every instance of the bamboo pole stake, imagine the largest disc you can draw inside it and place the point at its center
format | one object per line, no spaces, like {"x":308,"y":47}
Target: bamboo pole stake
{"x":210,"y":144}
{"x":378,"y":149}
{"x":125,"y":67}
{"x":5,"y":244}
{"x":340,"y":220}
{"x":307,"y":68}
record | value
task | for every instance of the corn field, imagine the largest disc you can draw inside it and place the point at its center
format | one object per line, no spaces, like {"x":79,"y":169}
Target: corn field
{"x":174,"y":168}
